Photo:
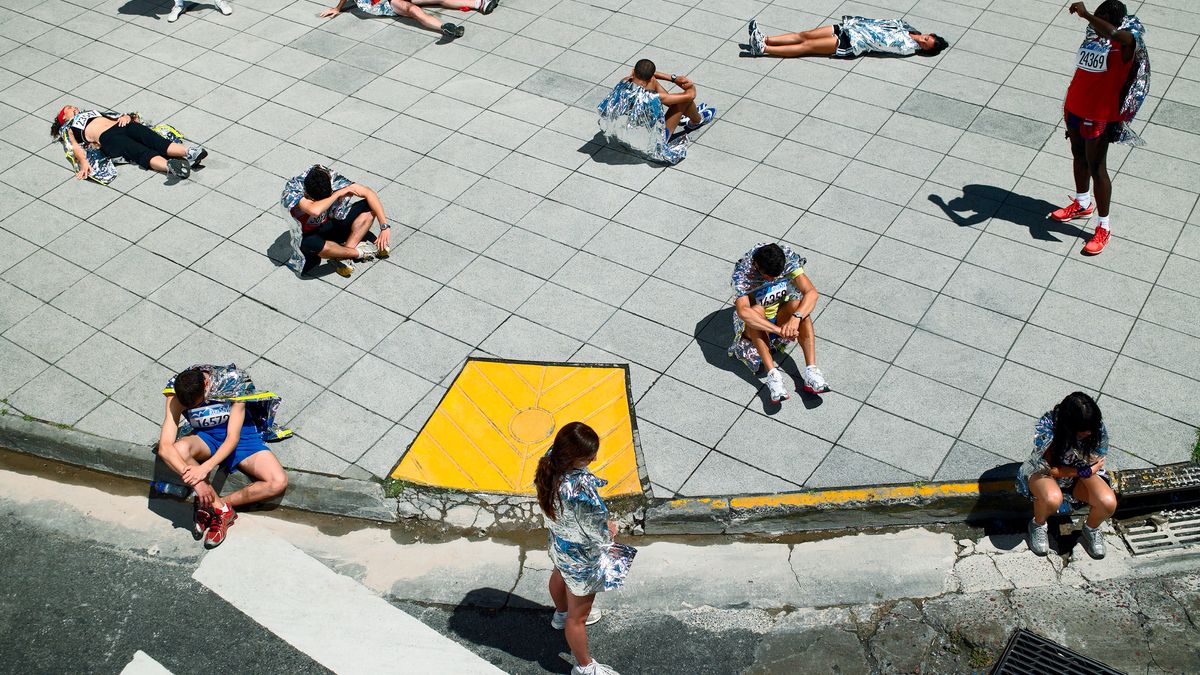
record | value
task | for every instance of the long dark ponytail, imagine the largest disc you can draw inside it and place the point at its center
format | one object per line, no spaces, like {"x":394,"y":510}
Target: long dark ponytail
{"x":1078,"y":412}
{"x":574,"y":443}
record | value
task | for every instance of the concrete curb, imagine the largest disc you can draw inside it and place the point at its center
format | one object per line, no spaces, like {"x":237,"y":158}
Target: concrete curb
{"x":348,"y":497}
{"x":841,"y":508}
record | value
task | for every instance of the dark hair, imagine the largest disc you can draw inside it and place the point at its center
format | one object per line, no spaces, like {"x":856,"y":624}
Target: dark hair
{"x":318,"y":184}
{"x":644,"y":70}
{"x":55,"y":128}
{"x":189,"y":387}
{"x":1112,"y":11}
{"x":939,"y":43}
{"x":575,"y":441}
{"x":770,"y":260}
{"x":1078,"y":412}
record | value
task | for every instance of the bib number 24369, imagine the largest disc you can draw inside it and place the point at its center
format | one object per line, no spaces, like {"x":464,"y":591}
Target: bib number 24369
{"x":1093,"y":59}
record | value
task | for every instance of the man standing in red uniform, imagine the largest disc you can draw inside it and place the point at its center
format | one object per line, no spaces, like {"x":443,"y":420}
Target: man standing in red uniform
{"x":1093,"y":112}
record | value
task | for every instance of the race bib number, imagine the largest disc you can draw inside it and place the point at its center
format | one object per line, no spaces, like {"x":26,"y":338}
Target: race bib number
{"x":772,"y":293}
{"x":1093,"y":58}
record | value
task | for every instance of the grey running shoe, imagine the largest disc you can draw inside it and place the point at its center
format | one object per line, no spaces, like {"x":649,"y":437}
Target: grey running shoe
{"x":775,"y":385}
{"x":559,"y":620}
{"x":1039,"y":537}
{"x":196,"y":154}
{"x":367,"y":251}
{"x":489,"y":6}
{"x":1093,"y":542}
{"x":179,"y":168}
{"x":758,"y":41}
{"x":173,"y":15}
{"x":452,"y":30}
{"x":344,"y":268}
{"x":223,"y":5}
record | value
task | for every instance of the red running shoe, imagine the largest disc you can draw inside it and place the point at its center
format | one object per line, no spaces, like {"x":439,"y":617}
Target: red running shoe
{"x":202,"y":518}
{"x":1074,"y":210}
{"x":218,"y":526}
{"x":1099,"y":240}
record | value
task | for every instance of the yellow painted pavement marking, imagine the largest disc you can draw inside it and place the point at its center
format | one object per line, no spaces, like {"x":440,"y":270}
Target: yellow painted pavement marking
{"x":836,"y":497}
{"x":499,"y":418}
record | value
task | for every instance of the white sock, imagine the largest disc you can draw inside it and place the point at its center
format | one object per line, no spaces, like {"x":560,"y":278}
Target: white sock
{"x":179,"y":4}
{"x":1083,"y":199}
{"x":479,"y":5}
{"x":1102,"y":222}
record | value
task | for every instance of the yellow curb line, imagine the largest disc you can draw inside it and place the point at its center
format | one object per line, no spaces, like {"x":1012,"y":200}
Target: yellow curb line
{"x":843,"y":496}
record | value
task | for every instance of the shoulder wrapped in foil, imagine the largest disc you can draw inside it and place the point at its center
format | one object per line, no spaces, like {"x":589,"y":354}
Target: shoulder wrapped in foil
{"x":636,"y":118}
{"x":1139,"y":87}
{"x":293,"y":192}
{"x":229,"y":383}
{"x":579,"y":542}
{"x":888,"y":36}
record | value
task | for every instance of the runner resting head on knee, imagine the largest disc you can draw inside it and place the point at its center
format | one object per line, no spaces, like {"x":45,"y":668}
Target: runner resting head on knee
{"x":774,"y":303}
{"x":1094,"y":113}
{"x":225,"y":431}
{"x":854,"y":36}
{"x":326,"y":222}
{"x":1069,"y":447}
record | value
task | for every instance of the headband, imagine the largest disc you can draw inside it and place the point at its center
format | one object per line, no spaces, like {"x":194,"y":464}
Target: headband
{"x":62,"y":115}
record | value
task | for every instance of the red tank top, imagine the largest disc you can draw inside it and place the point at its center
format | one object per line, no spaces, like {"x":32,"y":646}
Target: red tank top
{"x":1095,"y":91}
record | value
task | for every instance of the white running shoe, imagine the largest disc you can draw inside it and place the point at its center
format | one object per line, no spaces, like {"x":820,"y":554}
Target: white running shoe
{"x":1039,"y":537}
{"x":1093,"y":542}
{"x":814,"y":381}
{"x":223,"y":5}
{"x":758,"y":41}
{"x":367,"y":251}
{"x":196,"y":154}
{"x":173,"y":15}
{"x":559,"y":620}
{"x":593,"y":668}
{"x":775,"y":385}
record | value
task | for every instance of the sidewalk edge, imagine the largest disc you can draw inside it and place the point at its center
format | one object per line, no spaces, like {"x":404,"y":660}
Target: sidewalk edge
{"x":349,"y":497}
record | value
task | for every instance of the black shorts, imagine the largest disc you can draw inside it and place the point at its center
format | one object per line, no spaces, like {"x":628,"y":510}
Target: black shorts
{"x":843,"y":45}
{"x":335,"y":230}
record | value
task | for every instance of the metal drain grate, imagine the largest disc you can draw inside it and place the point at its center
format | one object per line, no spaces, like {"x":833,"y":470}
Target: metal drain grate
{"x":1031,"y":654}
{"x":1167,"y":478}
{"x":1161,"y":531}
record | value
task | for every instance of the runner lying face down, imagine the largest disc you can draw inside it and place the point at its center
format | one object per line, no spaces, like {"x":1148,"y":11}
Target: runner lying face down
{"x":854,"y":36}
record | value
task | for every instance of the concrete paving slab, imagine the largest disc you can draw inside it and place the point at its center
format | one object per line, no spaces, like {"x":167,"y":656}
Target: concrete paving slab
{"x":917,"y":193}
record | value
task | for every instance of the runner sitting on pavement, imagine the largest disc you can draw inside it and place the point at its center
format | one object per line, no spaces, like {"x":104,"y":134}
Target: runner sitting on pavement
{"x":95,"y":140}
{"x":1104,"y":95}
{"x":226,"y":424}
{"x":642,"y":115}
{"x":413,"y":10}
{"x":586,"y":559}
{"x":854,"y":36}
{"x":775,"y":300}
{"x":1068,"y":461}
{"x":326,"y":224}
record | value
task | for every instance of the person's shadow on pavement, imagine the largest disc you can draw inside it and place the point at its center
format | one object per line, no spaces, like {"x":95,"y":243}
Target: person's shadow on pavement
{"x":714,"y":334}
{"x":513,"y":624}
{"x":978,"y":203}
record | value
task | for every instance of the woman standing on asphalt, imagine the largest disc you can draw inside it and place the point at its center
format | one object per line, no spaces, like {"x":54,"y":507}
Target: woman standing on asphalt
{"x":586,"y":559}
{"x":1068,"y":461}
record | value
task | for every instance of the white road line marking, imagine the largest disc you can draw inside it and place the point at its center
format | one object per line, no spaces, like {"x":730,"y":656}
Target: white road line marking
{"x":142,"y":664}
{"x":335,"y":620}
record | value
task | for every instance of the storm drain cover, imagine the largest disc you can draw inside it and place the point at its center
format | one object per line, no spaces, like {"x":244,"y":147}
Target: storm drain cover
{"x":1158,"y":479}
{"x":1161,"y":531}
{"x":1031,"y":654}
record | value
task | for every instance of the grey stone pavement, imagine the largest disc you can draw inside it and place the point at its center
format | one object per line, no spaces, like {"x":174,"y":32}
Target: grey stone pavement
{"x":952,"y":314}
